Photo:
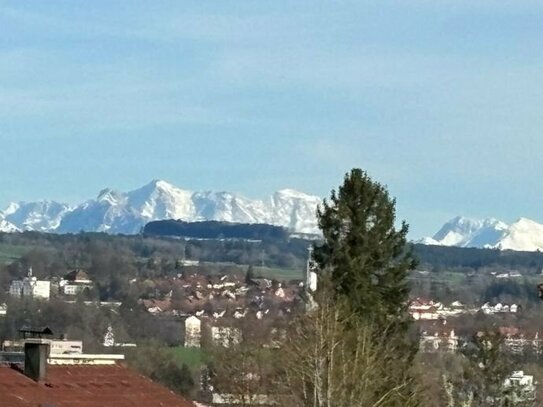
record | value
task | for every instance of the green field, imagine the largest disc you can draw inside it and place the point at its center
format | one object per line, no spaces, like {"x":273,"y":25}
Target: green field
{"x":10,"y":253}
{"x":260,"y":271}
{"x":192,"y":357}
{"x":279,"y":274}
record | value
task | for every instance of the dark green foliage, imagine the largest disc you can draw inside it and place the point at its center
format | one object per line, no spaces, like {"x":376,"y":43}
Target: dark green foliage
{"x":510,"y":291}
{"x":215,"y":230}
{"x":158,"y":363}
{"x":75,"y":321}
{"x":366,"y":257}
{"x":249,"y":275}
{"x":366,"y":262}
{"x":472,"y":258}
{"x":487,"y":366}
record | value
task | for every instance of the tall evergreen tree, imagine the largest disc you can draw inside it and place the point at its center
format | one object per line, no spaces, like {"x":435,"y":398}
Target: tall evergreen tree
{"x":366,"y":258}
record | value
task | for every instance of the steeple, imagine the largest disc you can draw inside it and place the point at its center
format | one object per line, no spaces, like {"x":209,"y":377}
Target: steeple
{"x":310,"y":283}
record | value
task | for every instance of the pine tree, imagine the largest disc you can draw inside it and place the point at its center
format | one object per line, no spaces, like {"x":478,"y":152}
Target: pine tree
{"x":366,"y":259}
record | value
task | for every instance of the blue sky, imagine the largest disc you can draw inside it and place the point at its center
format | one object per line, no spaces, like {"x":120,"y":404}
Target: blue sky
{"x":439,"y":100}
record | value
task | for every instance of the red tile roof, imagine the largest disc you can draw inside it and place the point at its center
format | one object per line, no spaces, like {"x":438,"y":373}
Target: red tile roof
{"x":76,"y":275}
{"x":85,"y":386}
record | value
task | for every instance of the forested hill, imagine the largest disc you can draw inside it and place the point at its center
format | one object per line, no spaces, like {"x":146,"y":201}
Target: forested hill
{"x":430,"y":257}
{"x":215,"y":230}
{"x":446,"y":257}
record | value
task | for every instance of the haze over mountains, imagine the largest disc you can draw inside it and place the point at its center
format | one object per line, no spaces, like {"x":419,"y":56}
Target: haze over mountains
{"x":128,"y":212}
{"x":524,"y":234}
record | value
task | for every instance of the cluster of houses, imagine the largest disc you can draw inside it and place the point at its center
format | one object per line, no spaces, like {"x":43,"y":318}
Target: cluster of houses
{"x":221,"y":297}
{"x":422,"y":309}
{"x":520,"y":386}
{"x":500,"y":308}
{"x":217,"y":306}
{"x":509,"y":274}
{"x":71,"y":284}
{"x":439,"y":338}
{"x":429,"y":310}
{"x":222,"y":308}
{"x":518,"y":341}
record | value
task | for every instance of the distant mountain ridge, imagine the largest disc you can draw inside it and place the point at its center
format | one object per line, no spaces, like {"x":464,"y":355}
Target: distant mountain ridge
{"x":128,"y":212}
{"x":523,"y":235}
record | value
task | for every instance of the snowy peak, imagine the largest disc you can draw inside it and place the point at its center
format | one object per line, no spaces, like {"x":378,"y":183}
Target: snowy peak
{"x":7,"y":227}
{"x":524,"y":235}
{"x":109,"y":196}
{"x":40,"y":216}
{"x":429,"y":241}
{"x":292,"y":194}
{"x":228,"y":207}
{"x":295,"y":210}
{"x":161,"y":200}
{"x":467,"y":232}
{"x":128,"y":212}
{"x":160,"y":184}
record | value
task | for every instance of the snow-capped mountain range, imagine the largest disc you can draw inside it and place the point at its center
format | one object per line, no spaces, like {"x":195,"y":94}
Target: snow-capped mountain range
{"x":128,"y":212}
{"x":523,"y":235}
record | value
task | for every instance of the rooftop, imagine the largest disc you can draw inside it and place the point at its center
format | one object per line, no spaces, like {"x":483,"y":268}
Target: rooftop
{"x":85,"y":386}
{"x":77,"y":275}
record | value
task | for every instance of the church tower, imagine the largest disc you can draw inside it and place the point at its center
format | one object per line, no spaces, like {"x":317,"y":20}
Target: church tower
{"x":310,"y":283}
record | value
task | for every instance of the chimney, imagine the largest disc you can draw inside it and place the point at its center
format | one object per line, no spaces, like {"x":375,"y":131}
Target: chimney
{"x":36,"y":353}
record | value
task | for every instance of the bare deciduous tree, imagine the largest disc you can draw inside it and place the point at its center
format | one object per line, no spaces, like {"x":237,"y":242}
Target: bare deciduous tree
{"x":333,"y":359}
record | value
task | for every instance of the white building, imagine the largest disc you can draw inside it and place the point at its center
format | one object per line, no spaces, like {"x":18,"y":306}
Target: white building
{"x":499,"y":308}
{"x":75,"y":282}
{"x":189,"y":263}
{"x":65,"y":347}
{"x":193,"y":332}
{"x":30,"y":287}
{"x":83,"y":359}
{"x":439,"y":342}
{"x":522,"y":386}
{"x":225,"y":335}
{"x":424,"y":309}
{"x":39,"y":289}
{"x":56,"y":346}
{"x":16,"y":288}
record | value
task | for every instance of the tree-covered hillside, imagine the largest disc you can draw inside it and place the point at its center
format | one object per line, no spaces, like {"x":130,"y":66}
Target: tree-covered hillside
{"x":444,"y":257}
{"x":215,"y":230}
